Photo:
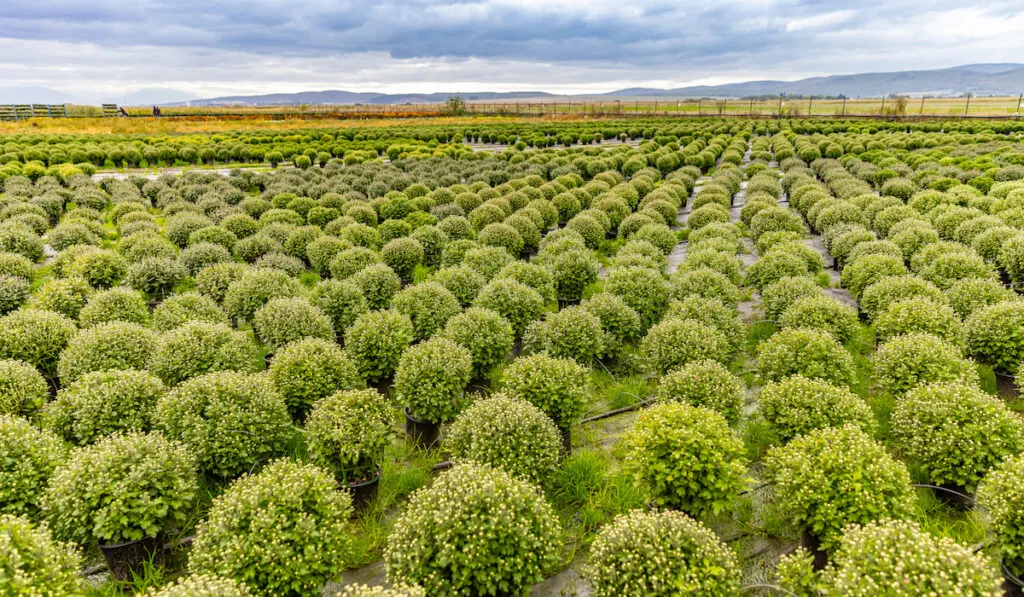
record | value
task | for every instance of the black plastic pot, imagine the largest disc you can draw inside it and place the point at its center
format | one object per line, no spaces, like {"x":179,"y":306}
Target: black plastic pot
{"x":954,"y":496}
{"x":267,"y":359}
{"x":383,"y":386}
{"x":564,"y":303}
{"x":423,"y":433}
{"x":525,"y":254}
{"x":126,"y":559}
{"x":153,"y":303}
{"x":362,"y":492}
{"x":813,"y":545}
{"x":53,"y":385}
{"x":1006,"y":385}
{"x":1013,"y":585}
{"x":566,"y":440}
{"x":339,"y":339}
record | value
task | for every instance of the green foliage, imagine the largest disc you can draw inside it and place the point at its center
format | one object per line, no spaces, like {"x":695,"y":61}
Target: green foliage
{"x":396,"y":590}
{"x":285,"y":320}
{"x":214,"y":280}
{"x":914,"y":563}
{"x":1001,"y":493}
{"x":403,"y":255}
{"x":836,"y":476}
{"x":35,"y":337}
{"x":572,"y":333}
{"x":462,"y":281}
{"x":102,"y":403}
{"x":956,"y":432}
{"x":676,"y":342}
{"x":516,"y":302}
{"x":428,"y":305}
{"x":379,"y":283}
{"x":114,"y":345}
{"x":778,"y":296}
{"x":687,"y":457}
{"x":508,"y":434}
{"x":35,"y":563}
{"x":967,"y":296}
{"x":115,"y":304}
{"x":348,"y":431}
{"x":691,"y":559}
{"x":431,"y":378}
{"x":887,"y":291}
{"x":556,"y":386}
{"x":180,"y":309}
{"x":30,"y":458}
{"x":283,"y":531}
{"x":487,"y":335}
{"x":797,"y":405}
{"x":342,"y":301}
{"x":230,"y":421}
{"x":704,"y":383}
{"x":122,"y":488}
{"x":811,"y":353}
{"x":257,"y":287}
{"x":919,"y":315}
{"x":995,"y":335}
{"x":66,"y":296}
{"x":907,"y":361}
{"x":476,"y":530}
{"x":199,"y":347}
{"x":857,"y":276}
{"x":22,"y":388}
{"x":310,"y":369}
{"x":822,"y":312}
{"x":201,"y":585}
{"x":376,"y":340}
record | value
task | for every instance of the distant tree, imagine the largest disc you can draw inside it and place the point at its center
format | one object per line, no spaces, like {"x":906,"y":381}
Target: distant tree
{"x":455,"y":105}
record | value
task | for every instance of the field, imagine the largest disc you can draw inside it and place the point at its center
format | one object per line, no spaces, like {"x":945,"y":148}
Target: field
{"x":513,"y":355}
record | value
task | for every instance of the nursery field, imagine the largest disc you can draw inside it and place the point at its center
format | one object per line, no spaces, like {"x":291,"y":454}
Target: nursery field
{"x":601,"y":358}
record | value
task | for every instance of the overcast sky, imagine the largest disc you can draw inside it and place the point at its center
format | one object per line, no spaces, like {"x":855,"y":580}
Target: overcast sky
{"x":98,"y":48}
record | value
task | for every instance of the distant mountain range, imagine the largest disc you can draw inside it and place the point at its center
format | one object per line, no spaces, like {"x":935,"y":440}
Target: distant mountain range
{"x":979,"y":79}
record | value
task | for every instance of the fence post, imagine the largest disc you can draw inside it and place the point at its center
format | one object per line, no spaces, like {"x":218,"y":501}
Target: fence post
{"x":699,"y":102}
{"x":968,"y":103}
{"x":751,"y":107}
{"x":844,"y":107}
{"x":780,"y":106}
{"x":920,"y":112}
{"x":810,"y":106}
{"x":881,"y":111}
{"x":1016,"y":114}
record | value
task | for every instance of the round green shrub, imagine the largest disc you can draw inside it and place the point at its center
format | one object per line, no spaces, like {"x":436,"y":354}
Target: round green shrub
{"x":619,"y":321}
{"x":836,"y":476}
{"x":535,"y":276}
{"x":348,"y":431}
{"x":285,"y":320}
{"x":995,"y":335}
{"x":822,"y":312}
{"x":13,"y":264}
{"x":396,"y":590}
{"x":1001,"y":493}
{"x":14,"y":292}
{"x":403,"y":255}
{"x":183,"y":308}
{"x":428,"y":305}
{"x":199,"y":347}
{"x":487,"y":335}
{"x":431,"y":378}
{"x":101,"y":268}
{"x":201,"y":585}
{"x":967,"y":296}
{"x":704,"y":383}
{"x":257,"y":287}
{"x":507,"y":434}
{"x":103,"y":403}
{"x":919,"y":315}
{"x":35,"y":563}
{"x":475,"y":530}
{"x":282,"y":531}
{"x":115,"y":304}
{"x":114,"y":345}
{"x":342,"y":301}
{"x":213,"y":281}
{"x":645,"y":291}
{"x":687,"y":457}
{"x":573,"y":333}
{"x":676,"y":342}
{"x":503,"y":236}
{"x":30,"y":458}
{"x":352,"y":260}
{"x":155,"y":276}
{"x":774,"y":266}
{"x":856,"y":277}
{"x":556,"y":386}
{"x":776,"y":219}
{"x":691,"y":559}
{"x":462,"y":281}
{"x":310,"y":369}
{"x":376,"y":341}
{"x":715,"y":314}
{"x":35,"y":337}
{"x":229,"y":420}
{"x":379,"y":283}
{"x":890,"y":290}
{"x":572,"y":272}
{"x":122,"y":488}
{"x":516,"y":302}
{"x":488,"y":261}
{"x":812,"y":353}
{"x":913,"y":359}
{"x":22,"y":388}
{"x":66,"y":296}
{"x":956,"y":432}
{"x":797,"y":405}
{"x":778,"y":296}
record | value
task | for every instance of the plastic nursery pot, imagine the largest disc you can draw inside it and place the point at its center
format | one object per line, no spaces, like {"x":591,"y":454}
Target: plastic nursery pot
{"x":1013,"y":584}
{"x":125,"y":560}
{"x":566,"y":440}
{"x":364,"y":491}
{"x":53,"y":385}
{"x":813,"y":545}
{"x":564,"y":303}
{"x":1006,"y":386}
{"x":423,"y":433}
{"x":267,"y":359}
{"x":339,"y":339}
